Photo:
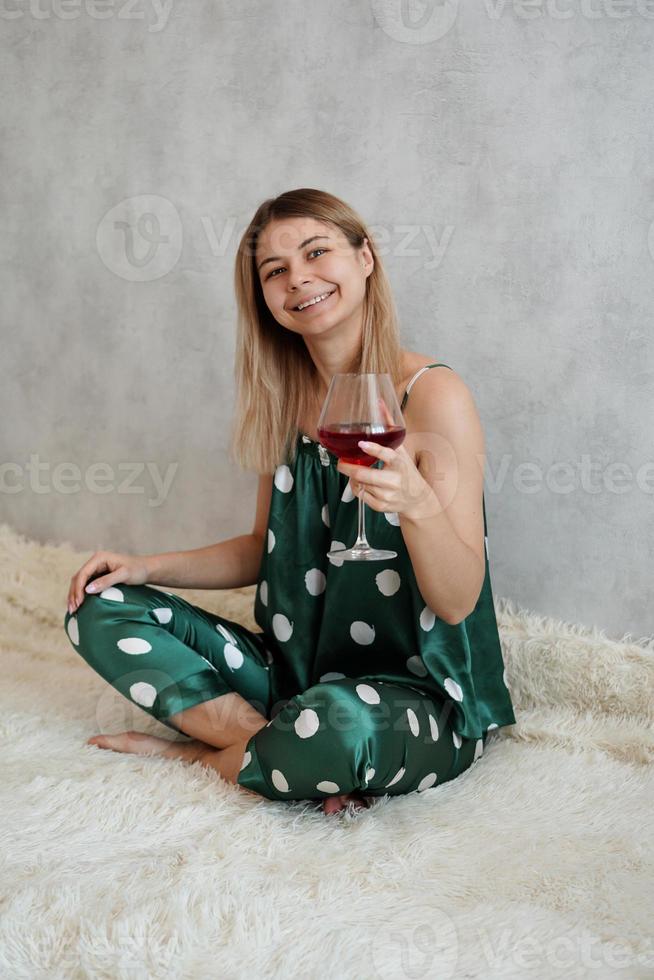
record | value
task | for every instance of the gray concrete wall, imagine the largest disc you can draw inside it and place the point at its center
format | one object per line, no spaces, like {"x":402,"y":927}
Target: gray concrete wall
{"x":502,"y":153}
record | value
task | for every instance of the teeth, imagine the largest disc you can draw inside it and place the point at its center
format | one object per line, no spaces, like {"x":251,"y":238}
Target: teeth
{"x":312,"y":302}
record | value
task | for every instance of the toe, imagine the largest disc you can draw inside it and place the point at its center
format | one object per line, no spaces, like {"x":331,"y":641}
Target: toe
{"x":119,"y":743}
{"x":103,"y":741}
{"x":333,"y":804}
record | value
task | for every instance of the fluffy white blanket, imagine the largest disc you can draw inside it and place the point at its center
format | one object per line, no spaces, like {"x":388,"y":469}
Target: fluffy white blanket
{"x":536,"y":862}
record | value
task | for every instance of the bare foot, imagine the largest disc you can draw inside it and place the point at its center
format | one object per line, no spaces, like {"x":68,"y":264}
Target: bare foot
{"x":139,"y":743}
{"x":334,"y":804}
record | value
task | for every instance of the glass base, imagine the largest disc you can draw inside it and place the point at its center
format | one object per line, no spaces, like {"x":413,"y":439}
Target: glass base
{"x":362,"y":554}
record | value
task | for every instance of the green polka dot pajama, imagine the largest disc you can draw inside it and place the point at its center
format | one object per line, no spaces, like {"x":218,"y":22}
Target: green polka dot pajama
{"x":365,"y":688}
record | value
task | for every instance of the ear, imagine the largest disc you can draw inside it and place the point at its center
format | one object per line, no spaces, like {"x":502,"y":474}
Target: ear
{"x":369,"y":262}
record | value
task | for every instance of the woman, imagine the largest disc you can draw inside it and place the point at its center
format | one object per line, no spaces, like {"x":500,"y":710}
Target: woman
{"x":367,"y":678}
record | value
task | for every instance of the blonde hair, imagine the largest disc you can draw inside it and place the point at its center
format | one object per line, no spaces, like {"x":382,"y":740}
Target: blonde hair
{"x":276,"y":378}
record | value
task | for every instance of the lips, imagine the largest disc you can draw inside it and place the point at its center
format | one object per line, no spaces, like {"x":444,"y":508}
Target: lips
{"x":311,"y":305}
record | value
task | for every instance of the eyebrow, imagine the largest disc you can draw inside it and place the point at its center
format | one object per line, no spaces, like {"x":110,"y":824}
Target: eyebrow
{"x":278,"y":258}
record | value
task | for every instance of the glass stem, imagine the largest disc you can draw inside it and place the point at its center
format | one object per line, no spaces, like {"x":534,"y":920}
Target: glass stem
{"x":361,"y":541}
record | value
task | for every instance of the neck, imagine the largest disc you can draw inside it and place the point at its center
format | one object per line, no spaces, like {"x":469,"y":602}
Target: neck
{"x":335,"y":351}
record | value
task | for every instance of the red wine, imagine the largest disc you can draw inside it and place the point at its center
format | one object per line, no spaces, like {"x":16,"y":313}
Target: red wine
{"x":342,"y":440}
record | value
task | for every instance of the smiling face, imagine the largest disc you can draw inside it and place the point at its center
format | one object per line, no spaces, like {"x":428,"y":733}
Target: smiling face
{"x":299,"y":259}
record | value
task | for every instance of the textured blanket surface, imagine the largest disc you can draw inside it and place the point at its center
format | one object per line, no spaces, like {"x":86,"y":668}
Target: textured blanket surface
{"x":538,"y":861}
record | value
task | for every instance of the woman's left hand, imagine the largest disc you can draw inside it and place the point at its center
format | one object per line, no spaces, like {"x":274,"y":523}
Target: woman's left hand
{"x":397,"y":488}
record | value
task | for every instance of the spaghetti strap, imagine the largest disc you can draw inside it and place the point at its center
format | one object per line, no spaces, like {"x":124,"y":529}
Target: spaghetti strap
{"x":415,"y":378}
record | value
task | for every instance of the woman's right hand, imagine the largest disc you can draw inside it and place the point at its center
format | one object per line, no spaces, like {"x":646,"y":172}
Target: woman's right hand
{"x":130,"y":569}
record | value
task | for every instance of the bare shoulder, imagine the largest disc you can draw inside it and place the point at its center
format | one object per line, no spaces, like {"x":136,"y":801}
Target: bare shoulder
{"x":441,"y":402}
{"x":440,"y":391}
{"x":412,"y":362}
{"x":443,"y":382}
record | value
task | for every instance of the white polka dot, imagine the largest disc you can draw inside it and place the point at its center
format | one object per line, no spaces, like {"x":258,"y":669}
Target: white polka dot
{"x":337,"y":546}
{"x":416,"y":665}
{"x":142,"y":693}
{"x":414,"y":724}
{"x":112,"y":593}
{"x":306,"y":723}
{"x":426,"y":782}
{"x":163,"y":615}
{"x":72,"y":629}
{"x":328,"y":787}
{"x":134,"y":644}
{"x":505,"y":678}
{"x":347,"y":494}
{"x":282,"y":628}
{"x":333,"y":675}
{"x":457,"y":740}
{"x":306,"y":439}
{"x":271,"y":539}
{"x":369,"y":774}
{"x":224,"y":632}
{"x":479,"y":748}
{"x":433,"y":728}
{"x":279,"y":781}
{"x":453,"y":689}
{"x":233,"y":656}
{"x":393,"y":518}
{"x":247,"y":759}
{"x":283,"y":478}
{"x":368,"y":693}
{"x":396,"y":778}
{"x":427,"y":618}
{"x":361,"y":632}
{"x":269,"y":656}
{"x":263,"y":592}
{"x":315,"y":581}
{"x":491,"y":726}
{"x":324,"y":455}
{"x":324,"y":513}
{"x":388,"y":581}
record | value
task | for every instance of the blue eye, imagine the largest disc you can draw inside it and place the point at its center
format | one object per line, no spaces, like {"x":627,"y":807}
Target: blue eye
{"x":312,"y":252}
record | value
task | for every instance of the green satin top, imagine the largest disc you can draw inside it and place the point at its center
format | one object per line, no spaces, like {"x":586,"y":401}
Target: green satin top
{"x":327,"y":618}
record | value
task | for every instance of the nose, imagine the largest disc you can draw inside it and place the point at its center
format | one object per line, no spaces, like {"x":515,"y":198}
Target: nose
{"x":297,"y":279}
{"x":298,"y":273}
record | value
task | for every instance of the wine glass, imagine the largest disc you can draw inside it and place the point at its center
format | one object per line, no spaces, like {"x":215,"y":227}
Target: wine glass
{"x":360,"y":406}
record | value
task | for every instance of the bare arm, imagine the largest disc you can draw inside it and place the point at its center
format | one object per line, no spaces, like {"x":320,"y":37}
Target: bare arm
{"x":228,"y":564}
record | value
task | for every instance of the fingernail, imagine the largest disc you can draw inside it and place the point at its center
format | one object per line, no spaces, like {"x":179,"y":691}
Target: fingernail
{"x":91,"y":587}
{"x":364,"y":444}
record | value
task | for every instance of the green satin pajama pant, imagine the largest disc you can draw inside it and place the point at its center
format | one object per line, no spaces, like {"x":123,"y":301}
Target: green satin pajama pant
{"x":343,"y":735}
